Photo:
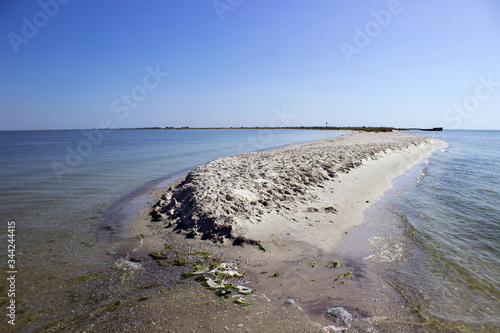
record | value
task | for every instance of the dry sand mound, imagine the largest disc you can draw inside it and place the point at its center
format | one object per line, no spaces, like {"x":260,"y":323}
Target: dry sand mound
{"x":218,"y":198}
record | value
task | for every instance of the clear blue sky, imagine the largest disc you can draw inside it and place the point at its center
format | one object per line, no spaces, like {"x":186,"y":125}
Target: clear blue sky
{"x":85,"y":64}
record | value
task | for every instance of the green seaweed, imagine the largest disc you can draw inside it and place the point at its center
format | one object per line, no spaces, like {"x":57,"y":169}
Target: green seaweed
{"x":205,"y":254}
{"x":213,"y":266}
{"x":73,"y":294}
{"x":347,"y":275}
{"x":181,"y":260}
{"x":200,"y":278}
{"x":241,"y":289}
{"x":313,"y":264}
{"x":114,"y":305}
{"x":207,"y":257}
{"x":262,"y":248}
{"x":164,"y":263}
{"x":158,"y":255}
{"x":83,"y":278}
{"x":333,"y":264}
{"x":216,"y":260}
{"x":223,"y":293}
{"x":275,"y":275}
{"x":221,"y":272}
{"x":197,"y":271}
{"x":135,"y":260}
{"x":214,"y":276}
{"x":240,"y":301}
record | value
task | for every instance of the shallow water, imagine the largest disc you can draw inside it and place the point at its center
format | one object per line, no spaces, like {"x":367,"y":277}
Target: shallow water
{"x":60,"y":186}
{"x":437,"y":240}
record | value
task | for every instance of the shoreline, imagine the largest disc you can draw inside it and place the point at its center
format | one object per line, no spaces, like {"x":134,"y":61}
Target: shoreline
{"x":227,"y":198}
{"x":298,"y":251}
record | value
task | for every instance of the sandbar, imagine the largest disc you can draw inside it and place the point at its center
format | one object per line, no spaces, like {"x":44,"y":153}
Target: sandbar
{"x":280,"y":215}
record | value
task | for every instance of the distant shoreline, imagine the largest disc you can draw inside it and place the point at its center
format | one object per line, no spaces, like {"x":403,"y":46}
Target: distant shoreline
{"x":316,"y":128}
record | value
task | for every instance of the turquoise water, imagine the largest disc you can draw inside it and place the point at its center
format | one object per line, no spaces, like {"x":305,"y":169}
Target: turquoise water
{"x":439,"y":239}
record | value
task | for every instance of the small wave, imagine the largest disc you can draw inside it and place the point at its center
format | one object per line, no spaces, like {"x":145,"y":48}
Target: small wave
{"x":424,"y":173}
{"x":125,"y":265}
{"x":386,"y":250}
{"x":445,"y":148}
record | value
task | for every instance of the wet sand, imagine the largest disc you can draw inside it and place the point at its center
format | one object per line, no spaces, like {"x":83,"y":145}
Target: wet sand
{"x":281,"y":217}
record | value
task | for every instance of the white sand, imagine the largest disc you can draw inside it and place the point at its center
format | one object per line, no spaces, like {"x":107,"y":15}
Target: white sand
{"x":297,"y":203}
{"x":249,"y":197}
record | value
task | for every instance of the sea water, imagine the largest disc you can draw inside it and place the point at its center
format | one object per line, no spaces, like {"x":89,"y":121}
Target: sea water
{"x":437,"y":235}
{"x":59,"y":186}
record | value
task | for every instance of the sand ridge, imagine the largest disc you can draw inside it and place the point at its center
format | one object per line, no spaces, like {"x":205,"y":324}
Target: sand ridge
{"x":296,"y":204}
{"x":230,"y":197}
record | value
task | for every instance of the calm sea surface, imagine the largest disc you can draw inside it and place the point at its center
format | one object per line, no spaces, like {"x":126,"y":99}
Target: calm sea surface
{"x":58,"y":186}
{"x":437,"y":241}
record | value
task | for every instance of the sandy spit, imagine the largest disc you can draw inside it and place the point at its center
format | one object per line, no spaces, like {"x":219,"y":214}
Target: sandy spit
{"x":231,"y":198}
{"x":291,"y":212}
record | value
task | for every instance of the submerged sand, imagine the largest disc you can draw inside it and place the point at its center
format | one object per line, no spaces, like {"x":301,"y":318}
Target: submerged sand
{"x":280,"y":217}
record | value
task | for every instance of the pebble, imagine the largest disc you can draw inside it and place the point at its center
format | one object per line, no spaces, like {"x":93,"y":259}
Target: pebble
{"x":290,"y":301}
{"x":338,"y":314}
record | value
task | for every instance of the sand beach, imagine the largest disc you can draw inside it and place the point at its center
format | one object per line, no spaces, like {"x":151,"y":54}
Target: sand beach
{"x":279,"y":215}
{"x":286,"y":219}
